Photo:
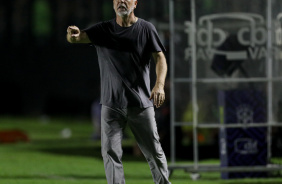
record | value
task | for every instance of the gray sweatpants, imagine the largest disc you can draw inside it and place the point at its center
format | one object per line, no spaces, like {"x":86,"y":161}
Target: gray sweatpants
{"x":143,"y":125}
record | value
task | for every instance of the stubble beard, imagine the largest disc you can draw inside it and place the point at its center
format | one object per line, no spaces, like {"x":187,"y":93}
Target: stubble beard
{"x":125,"y":12}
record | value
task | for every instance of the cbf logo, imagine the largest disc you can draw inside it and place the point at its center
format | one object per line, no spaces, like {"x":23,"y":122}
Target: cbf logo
{"x":246,"y":146}
{"x":214,"y":30}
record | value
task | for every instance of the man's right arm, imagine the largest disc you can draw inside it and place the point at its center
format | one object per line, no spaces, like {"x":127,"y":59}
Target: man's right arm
{"x":74,"y":35}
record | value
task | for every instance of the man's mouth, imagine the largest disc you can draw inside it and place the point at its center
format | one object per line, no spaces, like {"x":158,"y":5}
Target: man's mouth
{"x":122,"y":7}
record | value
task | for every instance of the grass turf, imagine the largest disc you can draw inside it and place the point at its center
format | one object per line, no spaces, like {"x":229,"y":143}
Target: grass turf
{"x":51,"y":159}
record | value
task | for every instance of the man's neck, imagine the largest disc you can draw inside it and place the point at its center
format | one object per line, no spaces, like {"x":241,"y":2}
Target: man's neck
{"x":126,"y":21}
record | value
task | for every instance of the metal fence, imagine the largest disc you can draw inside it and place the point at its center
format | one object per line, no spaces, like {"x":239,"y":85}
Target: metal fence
{"x":219,"y":45}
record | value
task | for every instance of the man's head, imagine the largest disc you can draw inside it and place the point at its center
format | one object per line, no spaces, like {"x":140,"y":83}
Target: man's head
{"x":124,"y":7}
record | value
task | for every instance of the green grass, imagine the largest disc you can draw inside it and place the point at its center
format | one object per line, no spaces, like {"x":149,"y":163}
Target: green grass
{"x":51,"y":159}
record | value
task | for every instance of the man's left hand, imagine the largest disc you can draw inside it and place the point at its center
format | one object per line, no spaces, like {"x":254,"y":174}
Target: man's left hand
{"x":158,"y":95}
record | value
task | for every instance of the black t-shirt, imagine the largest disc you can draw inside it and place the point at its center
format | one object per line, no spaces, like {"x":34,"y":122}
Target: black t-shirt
{"x":124,"y":55}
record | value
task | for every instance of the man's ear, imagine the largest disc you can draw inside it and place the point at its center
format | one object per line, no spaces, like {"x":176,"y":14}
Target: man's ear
{"x":135,"y":3}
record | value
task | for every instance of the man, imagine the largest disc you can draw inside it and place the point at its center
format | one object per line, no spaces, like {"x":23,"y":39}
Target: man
{"x":124,"y":46}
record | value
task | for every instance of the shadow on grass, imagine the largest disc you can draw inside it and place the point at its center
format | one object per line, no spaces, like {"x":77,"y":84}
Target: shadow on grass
{"x":54,"y":177}
{"x":72,"y":177}
{"x":134,"y":177}
{"x":86,"y":151}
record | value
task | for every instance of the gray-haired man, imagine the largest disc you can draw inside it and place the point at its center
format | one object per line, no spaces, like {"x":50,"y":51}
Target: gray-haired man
{"x":124,"y":46}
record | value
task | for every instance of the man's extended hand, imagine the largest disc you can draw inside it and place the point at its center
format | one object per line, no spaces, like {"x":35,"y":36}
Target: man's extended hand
{"x":73,"y":33}
{"x":158,"y":95}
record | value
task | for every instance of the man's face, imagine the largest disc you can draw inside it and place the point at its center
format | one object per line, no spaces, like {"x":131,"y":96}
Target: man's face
{"x":124,"y":7}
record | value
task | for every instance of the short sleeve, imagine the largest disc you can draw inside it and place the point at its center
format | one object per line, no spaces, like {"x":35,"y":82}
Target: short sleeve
{"x":154,"y":40}
{"x":97,"y":33}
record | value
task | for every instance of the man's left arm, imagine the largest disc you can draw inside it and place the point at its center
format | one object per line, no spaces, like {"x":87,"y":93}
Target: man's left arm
{"x":158,"y":94}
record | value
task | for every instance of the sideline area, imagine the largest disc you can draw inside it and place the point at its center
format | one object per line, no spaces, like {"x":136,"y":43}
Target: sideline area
{"x":50,"y":158}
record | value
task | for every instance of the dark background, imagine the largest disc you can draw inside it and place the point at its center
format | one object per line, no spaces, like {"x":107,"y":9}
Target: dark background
{"x":42,"y":74}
